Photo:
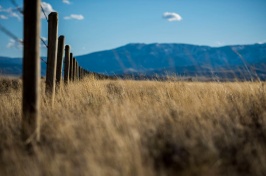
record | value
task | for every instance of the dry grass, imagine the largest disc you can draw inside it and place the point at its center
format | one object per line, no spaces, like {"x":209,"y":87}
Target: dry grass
{"x":140,"y":128}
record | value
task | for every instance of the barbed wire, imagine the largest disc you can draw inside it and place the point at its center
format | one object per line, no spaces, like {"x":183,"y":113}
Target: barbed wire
{"x":10,"y":34}
{"x":44,"y":42}
{"x":44,"y":13}
{"x":17,"y":6}
{"x":43,"y":60}
{"x":19,"y":9}
{"x":13,"y":36}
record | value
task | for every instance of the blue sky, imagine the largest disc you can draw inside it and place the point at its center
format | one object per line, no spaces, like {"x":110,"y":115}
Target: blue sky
{"x":95,"y":25}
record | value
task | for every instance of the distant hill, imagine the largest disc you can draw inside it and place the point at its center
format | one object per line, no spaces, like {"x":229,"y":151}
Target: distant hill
{"x":230,"y":62}
{"x":13,"y":66}
{"x":10,"y":66}
{"x":241,"y":61}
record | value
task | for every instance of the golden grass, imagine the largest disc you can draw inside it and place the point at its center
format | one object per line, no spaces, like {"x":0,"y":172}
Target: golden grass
{"x":105,"y":127}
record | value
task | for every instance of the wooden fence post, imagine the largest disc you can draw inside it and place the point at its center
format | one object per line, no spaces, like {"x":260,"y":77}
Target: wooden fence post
{"x":80,"y":73}
{"x":74,"y":69}
{"x":71,"y":67}
{"x":31,"y":72}
{"x":77,"y":71}
{"x":67,"y":64}
{"x":61,"y":41}
{"x":51,"y":55}
{"x":77,"y":67}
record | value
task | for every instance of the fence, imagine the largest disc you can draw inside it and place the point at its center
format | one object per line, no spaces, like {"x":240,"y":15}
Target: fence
{"x":31,"y":67}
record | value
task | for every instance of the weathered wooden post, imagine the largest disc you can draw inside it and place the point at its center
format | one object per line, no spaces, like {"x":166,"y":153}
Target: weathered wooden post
{"x":74,"y":69}
{"x":80,"y":73}
{"x":76,"y":78}
{"x":61,"y":41}
{"x":31,"y":72}
{"x":71,"y":67}
{"x":77,"y":71}
{"x":77,"y":66}
{"x":51,"y":55}
{"x":67,"y":64}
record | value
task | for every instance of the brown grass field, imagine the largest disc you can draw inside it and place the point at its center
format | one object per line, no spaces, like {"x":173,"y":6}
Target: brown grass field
{"x":146,"y":128}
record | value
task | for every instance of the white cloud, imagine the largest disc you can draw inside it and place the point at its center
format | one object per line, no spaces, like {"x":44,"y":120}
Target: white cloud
{"x":47,"y":8}
{"x":15,"y":15}
{"x":14,"y":44}
{"x":9,"y":12}
{"x":3,"y":17}
{"x":66,"y":1}
{"x":171,"y":16}
{"x":219,"y":43}
{"x":44,"y":38}
{"x":74,"y":17}
{"x":262,"y":42}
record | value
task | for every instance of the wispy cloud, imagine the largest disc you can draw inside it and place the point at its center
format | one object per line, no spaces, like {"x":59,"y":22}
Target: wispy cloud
{"x":3,"y":17}
{"x":262,"y":42}
{"x":66,"y":1}
{"x":74,"y":17}
{"x":14,"y":44}
{"x":219,"y":43}
{"x":47,"y":8}
{"x":15,"y":15}
{"x":9,"y":12}
{"x":171,"y":16}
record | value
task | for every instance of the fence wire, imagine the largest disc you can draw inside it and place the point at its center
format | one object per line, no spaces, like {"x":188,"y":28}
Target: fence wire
{"x":19,"y":9}
{"x":44,"y":13}
{"x":12,"y":35}
{"x":15,"y":4}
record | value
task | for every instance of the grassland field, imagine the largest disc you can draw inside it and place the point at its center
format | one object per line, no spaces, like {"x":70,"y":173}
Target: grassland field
{"x":139,"y":128}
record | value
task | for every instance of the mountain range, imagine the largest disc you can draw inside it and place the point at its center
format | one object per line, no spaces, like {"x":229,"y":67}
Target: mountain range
{"x":235,"y":61}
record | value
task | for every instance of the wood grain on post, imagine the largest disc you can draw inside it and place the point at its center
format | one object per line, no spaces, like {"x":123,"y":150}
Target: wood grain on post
{"x":67,"y":64}
{"x":31,"y":72}
{"x":51,"y":56}
{"x":60,"y":51}
{"x":71,"y":67}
